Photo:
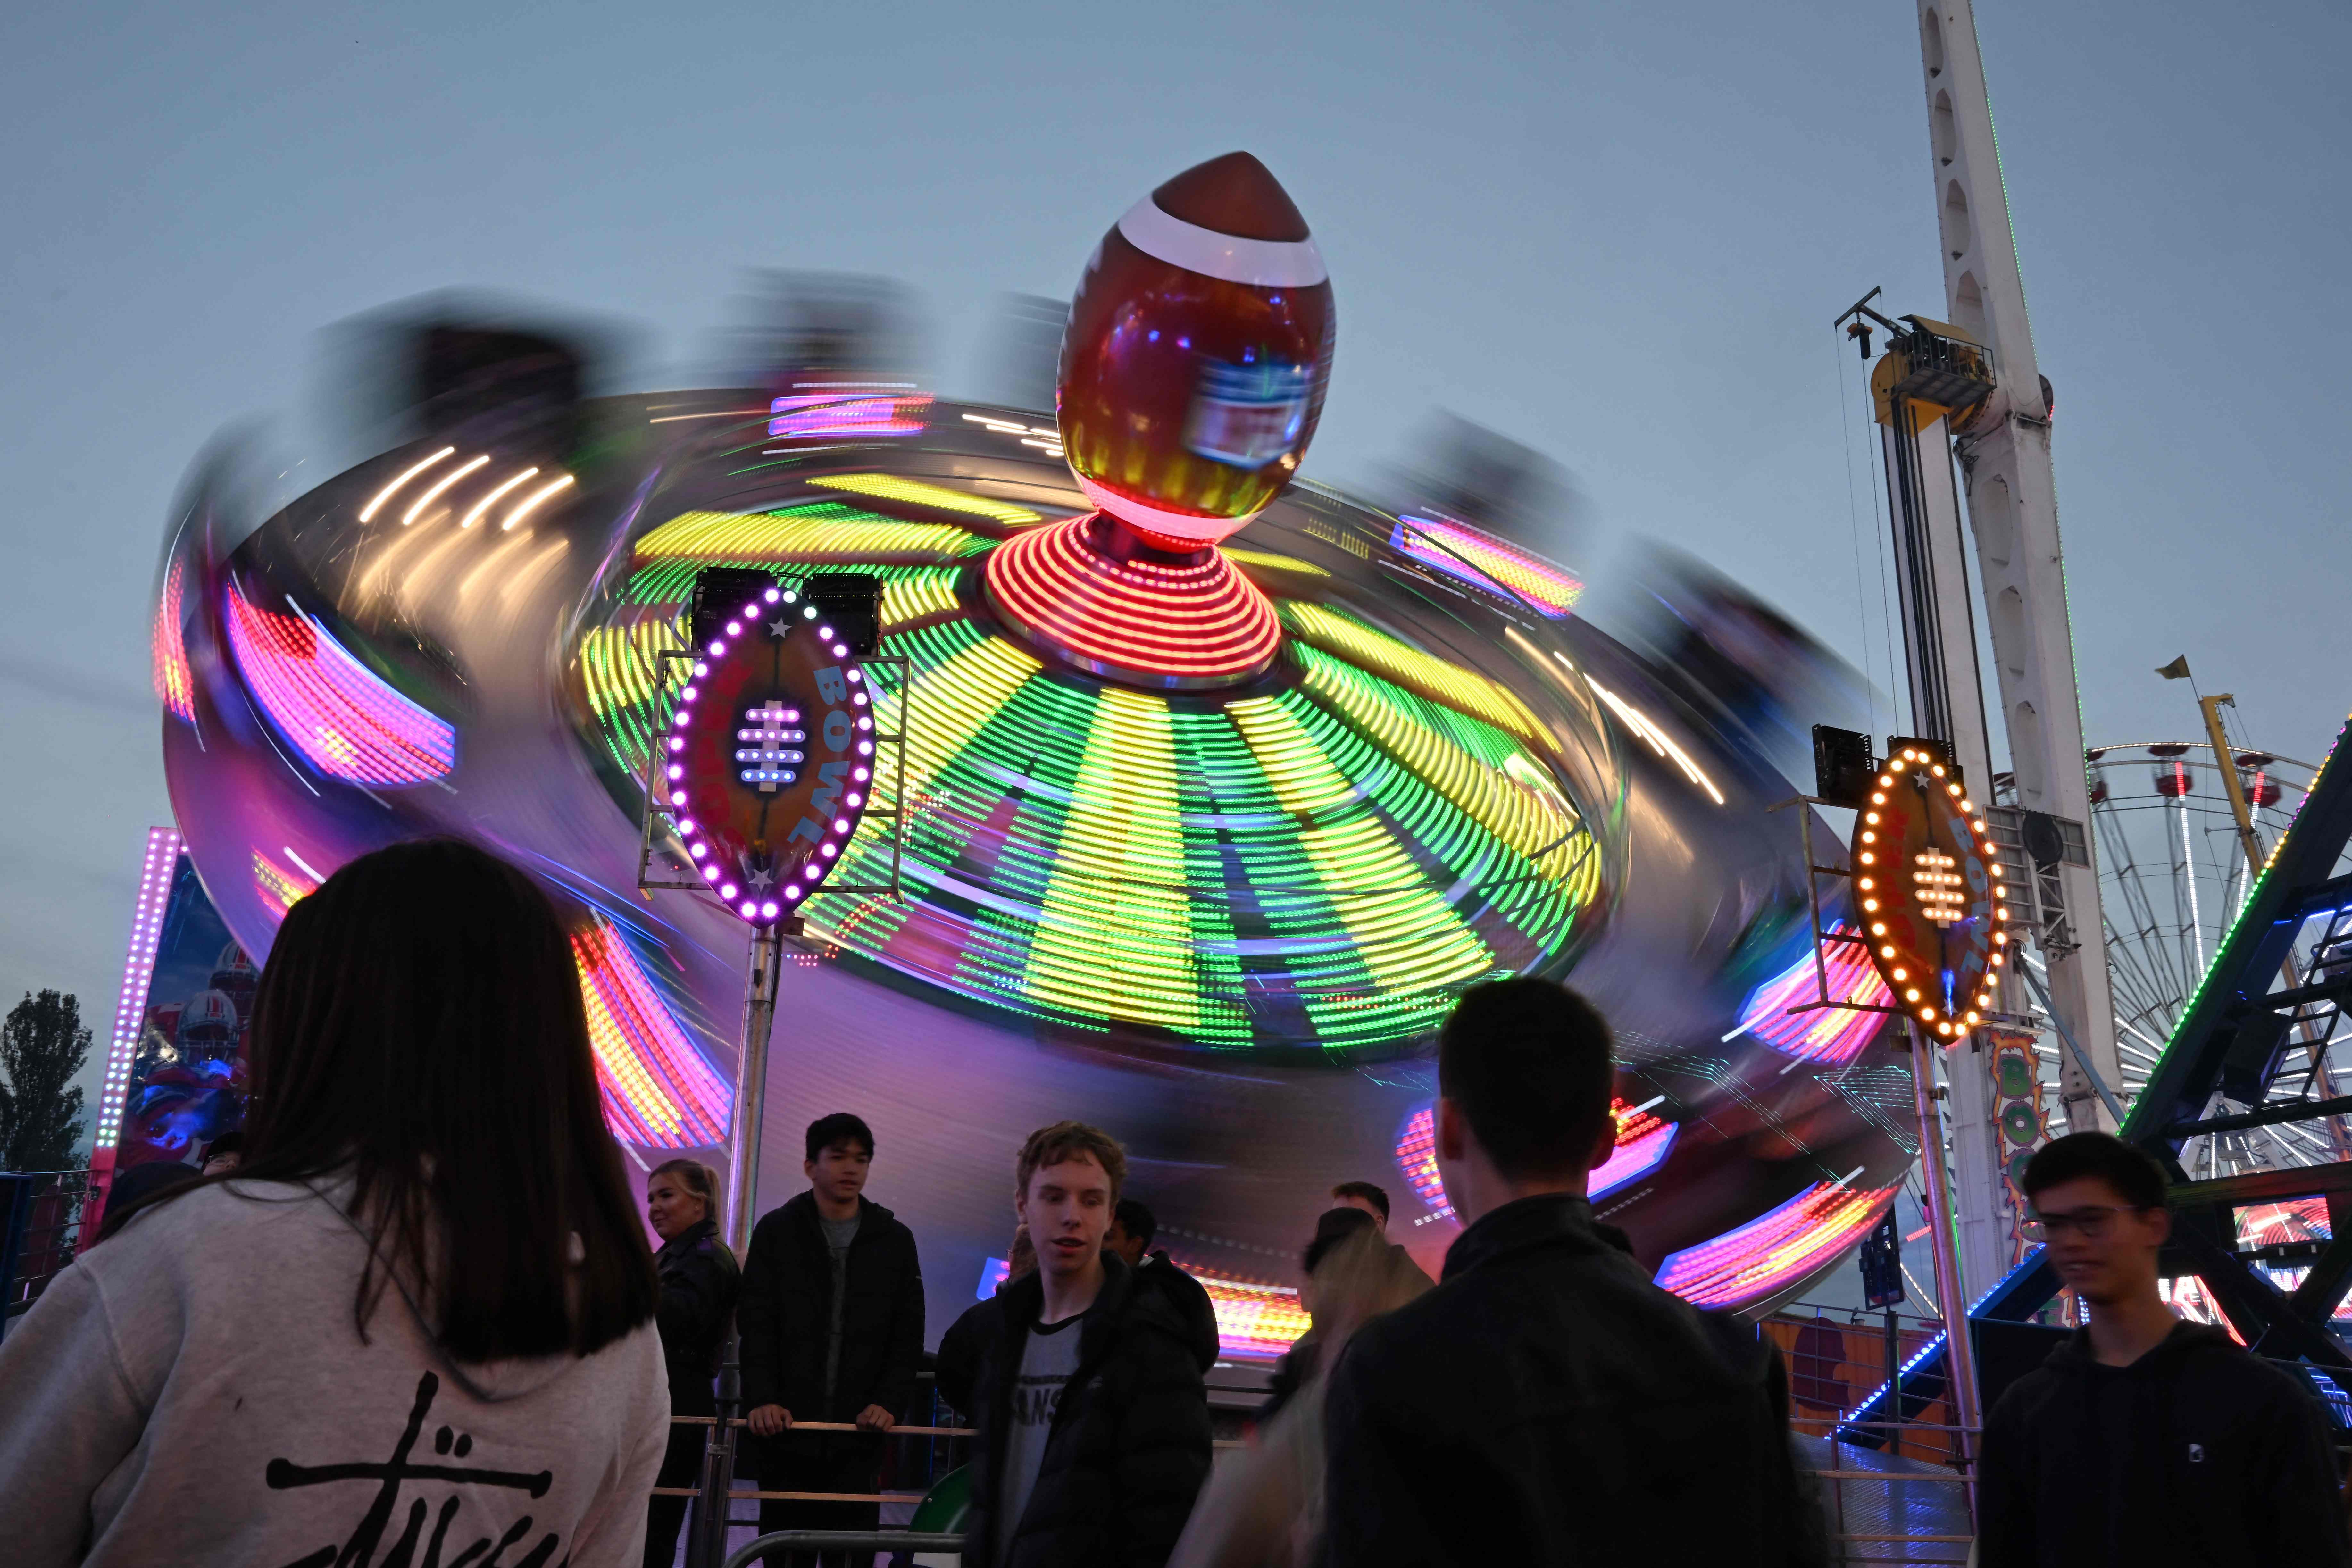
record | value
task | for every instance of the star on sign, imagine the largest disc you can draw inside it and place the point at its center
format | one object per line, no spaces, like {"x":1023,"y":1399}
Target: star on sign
{"x":762,"y":878}
{"x":777,"y":628}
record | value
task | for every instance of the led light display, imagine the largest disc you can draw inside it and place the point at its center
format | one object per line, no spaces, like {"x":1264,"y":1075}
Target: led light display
{"x":862,"y":415}
{"x":280,"y":886}
{"x":1833,"y":1035}
{"x":1253,"y":1321}
{"x":762,"y":823}
{"x":174,"y":686}
{"x":658,"y":1090}
{"x":1774,"y":1249}
{"x":338,"y":714}
{"x":1643,"y":1141}
{"x":1927,"y":886}
{"x":155,"y":872}
{"x":1168,"y":625}
{"x":1471,"y":556}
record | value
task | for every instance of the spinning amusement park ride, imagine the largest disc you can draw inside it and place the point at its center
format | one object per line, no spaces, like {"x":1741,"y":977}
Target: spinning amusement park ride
{"x":1094,"y":764}
{"x":1204,"y":791}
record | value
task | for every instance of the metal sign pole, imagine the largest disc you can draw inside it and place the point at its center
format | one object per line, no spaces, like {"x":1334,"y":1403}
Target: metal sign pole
{"x":761,"y":975}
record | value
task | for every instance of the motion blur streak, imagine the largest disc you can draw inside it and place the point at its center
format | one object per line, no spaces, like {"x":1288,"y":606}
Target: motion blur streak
{"x":530,"y":502}
{"x":331,"y":708}
{"x":1660,"y":742}
{"x":1643,"y":1141}
{"x":440,"y":486}
{"x":474,"y":514}
{"x":658,"y":1090}
{"x":1833,"y":1035}
{"x":1752,"y":1261}
{"x":367,"y":512}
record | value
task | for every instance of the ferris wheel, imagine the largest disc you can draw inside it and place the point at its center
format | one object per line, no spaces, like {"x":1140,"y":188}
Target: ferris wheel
{"x":2173,"y":876}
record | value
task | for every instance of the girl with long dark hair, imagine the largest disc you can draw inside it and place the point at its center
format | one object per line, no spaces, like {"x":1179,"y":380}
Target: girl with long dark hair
{"x":414,"y":1326}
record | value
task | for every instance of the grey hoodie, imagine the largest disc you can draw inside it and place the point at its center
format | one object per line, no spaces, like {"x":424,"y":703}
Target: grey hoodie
{"x":194,"y":1392}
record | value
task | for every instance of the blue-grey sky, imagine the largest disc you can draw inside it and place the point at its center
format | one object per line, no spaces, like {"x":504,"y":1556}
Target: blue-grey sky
{"x":1615,"y":232}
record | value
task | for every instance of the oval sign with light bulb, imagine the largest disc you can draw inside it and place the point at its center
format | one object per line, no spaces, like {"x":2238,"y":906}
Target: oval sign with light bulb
{"x":769,"y":757}
{"x":1930,"y":893}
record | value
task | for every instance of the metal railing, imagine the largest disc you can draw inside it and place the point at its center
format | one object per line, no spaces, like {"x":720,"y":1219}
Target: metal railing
{"x":784,"y":1541}
{"x":40,"y":1232}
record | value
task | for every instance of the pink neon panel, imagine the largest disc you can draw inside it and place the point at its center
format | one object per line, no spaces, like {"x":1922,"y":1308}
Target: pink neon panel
{"x":1252,"y":1319}
{"x":1831,"y":1035}
{"x":658,"y":1090}
{"x":1643,"y":1143}
{"x":1475,"y":556}
{"x":1776,"y":1248}
{"x":331,"y":708}
{"x":173,"y":685}
{"x":155,"y":873}
{"x":835,"y":413}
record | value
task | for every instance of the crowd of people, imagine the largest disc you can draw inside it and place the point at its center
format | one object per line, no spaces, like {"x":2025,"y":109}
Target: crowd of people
{"x":413,"y":1320}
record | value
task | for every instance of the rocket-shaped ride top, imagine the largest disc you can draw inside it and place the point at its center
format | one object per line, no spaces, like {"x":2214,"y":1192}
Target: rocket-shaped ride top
{"x":1193,"y":369}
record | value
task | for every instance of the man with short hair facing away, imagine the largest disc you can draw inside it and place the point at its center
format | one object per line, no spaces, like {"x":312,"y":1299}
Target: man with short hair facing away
{"x":831,"y":1315}
{"x":2144,"y":1438}
{"x":1093,"y":1420}
{"x":1365,"y":1196}
{"x":1547,"y":1403}
{"x":1133,"y":1228}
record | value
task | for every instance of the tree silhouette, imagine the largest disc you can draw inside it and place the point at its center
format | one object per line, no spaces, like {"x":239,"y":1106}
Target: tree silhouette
{"x":42,"y":1046}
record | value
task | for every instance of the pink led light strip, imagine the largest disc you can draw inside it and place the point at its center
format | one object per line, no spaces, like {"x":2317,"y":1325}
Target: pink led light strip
{"x":835,"y":413}
{"x":173,"y":685}
{"x":1475,"y":556}
{"x":155,"y":874}
{"x":1643,"y":1141}
{"x":1776,"y":1248}
{"x":331,"y":708}
{"x":1835,"y":1035}
{"x":658,"y":1090}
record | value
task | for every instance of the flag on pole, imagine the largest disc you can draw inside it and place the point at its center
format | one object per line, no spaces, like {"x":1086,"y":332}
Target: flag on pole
{"x":2177,"y":670}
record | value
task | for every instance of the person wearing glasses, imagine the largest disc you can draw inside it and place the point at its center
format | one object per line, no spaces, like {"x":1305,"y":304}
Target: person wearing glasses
{"x":2145,"y":1439}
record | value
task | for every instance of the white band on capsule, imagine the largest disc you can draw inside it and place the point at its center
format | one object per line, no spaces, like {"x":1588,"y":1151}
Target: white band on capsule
{"x":1166,"y":524}
{"x":1261,"y":263}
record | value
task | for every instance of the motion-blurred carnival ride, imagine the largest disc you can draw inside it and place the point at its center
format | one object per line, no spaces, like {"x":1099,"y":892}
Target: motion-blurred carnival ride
{"x":1219,"y":786}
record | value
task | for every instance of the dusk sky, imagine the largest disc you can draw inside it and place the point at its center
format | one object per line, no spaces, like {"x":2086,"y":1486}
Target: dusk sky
{"x":1617,"y":233}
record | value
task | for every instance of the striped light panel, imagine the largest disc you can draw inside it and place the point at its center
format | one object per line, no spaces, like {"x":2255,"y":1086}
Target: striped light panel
{"x":1179,"y":624}
{"x":174,"y":686}
{"x":810,"y":415}
{"x":1321,"y":866}
{"x":914,"y":492}
{"x":340,"y":714}
{"x":658,"y":1090}
{"x":1831,"y":1035}
{"x":1643,"y":1143}
{"x":1775,"y":1250}
{"x":1255,"y":1321}
{"x":1472,"y":555}
{"x":156,"y":872}
{"x":280,"y":886}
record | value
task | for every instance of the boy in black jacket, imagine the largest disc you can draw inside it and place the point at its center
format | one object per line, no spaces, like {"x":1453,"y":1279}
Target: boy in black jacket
{"x":1547,"y":1403}
{"x":2144,"y":1438}
{"x":1094,"y":1421}
{"x":831,"y":1316}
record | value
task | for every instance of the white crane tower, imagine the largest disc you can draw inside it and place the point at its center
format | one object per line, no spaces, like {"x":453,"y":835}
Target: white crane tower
{"x":2001,"y":449}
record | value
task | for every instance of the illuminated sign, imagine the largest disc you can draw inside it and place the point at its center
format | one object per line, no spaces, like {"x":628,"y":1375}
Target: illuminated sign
{"x":770,"y":756}
{"x":1930,"y":892}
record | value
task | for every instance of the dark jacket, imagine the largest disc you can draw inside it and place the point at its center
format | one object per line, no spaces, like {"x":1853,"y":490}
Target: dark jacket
{"x":698,"y":1280}
{"x":1189,"y":1299}
{"x":1130,"y":1444}
{"x":1547,"y":1404}
{"x":785,"y":1314}
{"x":2196,"y":1454}
{"x":960,"y":1350}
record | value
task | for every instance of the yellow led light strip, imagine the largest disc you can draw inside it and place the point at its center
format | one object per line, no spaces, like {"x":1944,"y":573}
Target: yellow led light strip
{"x":1409,"y":666}
{"x":756,"y":535}
{"x":914,"y":492}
